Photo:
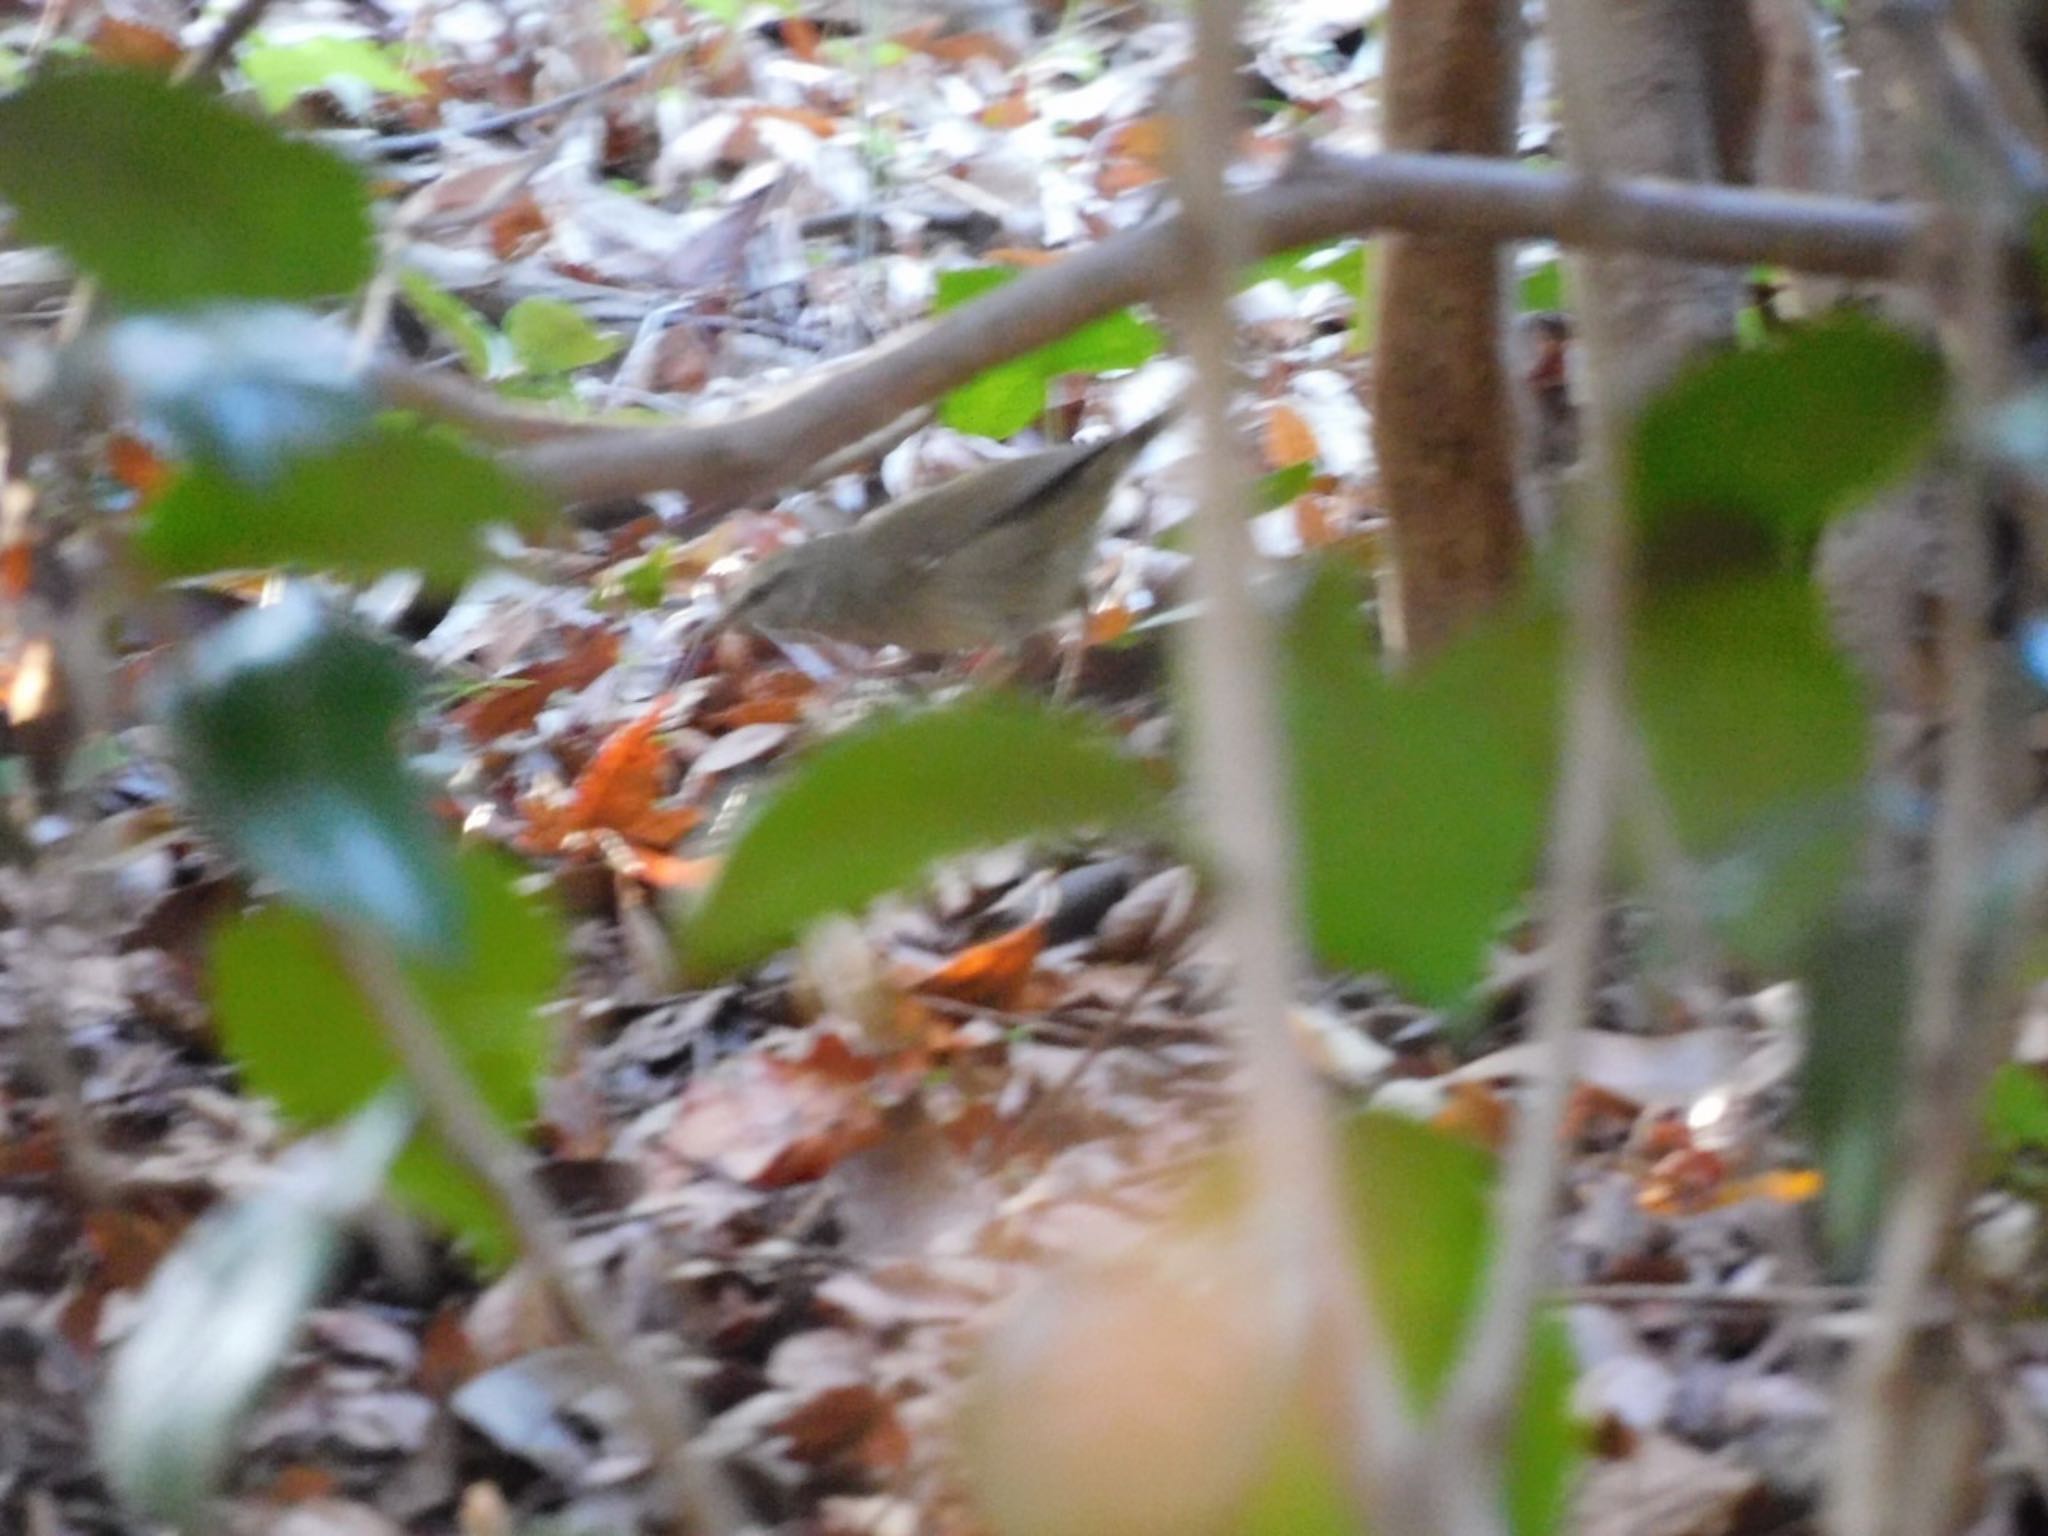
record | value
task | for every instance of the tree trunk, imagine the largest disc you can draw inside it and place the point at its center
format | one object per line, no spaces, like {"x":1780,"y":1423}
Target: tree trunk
{"x":1444,"y":418}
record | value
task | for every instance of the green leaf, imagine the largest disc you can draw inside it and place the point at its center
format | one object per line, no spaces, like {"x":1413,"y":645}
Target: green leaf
{"x":960,"y":284}
{"x":1422,"y":801}
{"x":1858,"y":974}
{"x":462,"y":327}
{"x":283,"y":72}
{"x":551,"y":336}
{"x":2016,"y":1109}
{"x":1540,"y":289}
{"x":1114,"y":342}
{"x":285,"y":730}
{"x":1755,"y":450}
{"x":870,"y":811}
{"x":1009,"y":397}
{"x":243,"y":387}
{"x":169,"y":197}
{"x":1283,"y":485}
{"x":219,"y":1315}
{"x":1421,"y":1206}
{"x":292,"y":1018}
{"x":1751,"y":716}
{"x":1000,"y":402}
{"x":395,"y":498}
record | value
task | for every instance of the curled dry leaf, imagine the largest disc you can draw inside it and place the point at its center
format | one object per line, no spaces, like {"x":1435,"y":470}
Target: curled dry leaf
{"x":990,"y":975}
{"x":513,"y":703}
{"x":617,"y":790}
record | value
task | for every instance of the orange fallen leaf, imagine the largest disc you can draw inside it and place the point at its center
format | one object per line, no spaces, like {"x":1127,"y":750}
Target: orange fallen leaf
{"x":991,"y":974}
{"x":1142,"y":138}
{"x":518,"y":227}
{"x":1126,"y":175}
{"x":1475,"y":1113}
{"x":617,"y":791}
{"x":1108,"y":623}
{"x":769,"y":711}
{"x":512,"y":704}
{"x":134,"y":45}
{"x":800,"y":37}
{"x":1021,"y":256}
{"x":1287,"y":439}
{"x":1011,"y":111}
{"x":137,"y":465}
{"x":819,"y":123}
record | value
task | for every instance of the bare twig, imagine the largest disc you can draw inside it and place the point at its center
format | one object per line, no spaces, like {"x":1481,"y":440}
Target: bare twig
{"x":725,"y":463}
{"x":1237,"y":733}
{"x":701,"y":1500}
{"x":398,"y":146}
{"x":1720,"y":1298}
{"x":205,"y":61}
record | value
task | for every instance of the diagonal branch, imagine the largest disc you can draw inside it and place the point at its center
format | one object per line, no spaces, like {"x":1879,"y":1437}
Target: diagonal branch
{"x":1325,"y":197}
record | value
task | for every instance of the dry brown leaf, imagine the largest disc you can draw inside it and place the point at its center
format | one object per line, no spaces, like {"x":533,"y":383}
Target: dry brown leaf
{"x":129,"y":44}
{"x":1286,"y":439}
{"x":1476,"y":1113}
{"x":990,"y":975}
{"x":771,"y":1121}
{"x":617,"y":791}
{"x":512,"y":704}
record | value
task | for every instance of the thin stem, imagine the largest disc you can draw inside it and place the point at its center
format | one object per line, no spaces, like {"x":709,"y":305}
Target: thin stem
{"x":1237,"y":734}
{"x":702,"y":1501}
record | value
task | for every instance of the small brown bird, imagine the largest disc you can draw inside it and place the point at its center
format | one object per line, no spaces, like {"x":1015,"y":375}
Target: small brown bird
{"x":986,"y":559}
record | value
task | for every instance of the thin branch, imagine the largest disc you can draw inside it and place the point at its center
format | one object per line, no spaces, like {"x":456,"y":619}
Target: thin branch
{"x":1326,"y":197}
{"x":205,"y":61}
{"x":1237,"y":734}
{"x":399,"y":146}
{"x":702,"y":1501}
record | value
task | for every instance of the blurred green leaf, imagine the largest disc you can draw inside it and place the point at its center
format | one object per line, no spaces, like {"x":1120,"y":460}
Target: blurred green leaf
{"x":292,"y":1018}
{"x":1009,"y":397}
{"x":1347,"y":263}
{"x":958,"y":285}
{"x":999,"y":402}
{"x":1858,"y":974}
{"x":2016,"y":1109}
{"x":283,"y":72}
{"x":1540,"y":289}
{"x":1752,"y":717}
{"x":1302,"y":1491}
{"x":1753,"y":451}
{"x":1283,"y":485}
{"x":551,"y":336}
{"x":244,"y":388}
{"x":1421,"y":1206}
{"x":393,"y":499}
{"x":871,"y":811}
{"x":1422,"y":801}
{"x":485,"y":353}
{"x":285,"y":731}
{"x":170,"y":197}
{"x":220,"y":1313}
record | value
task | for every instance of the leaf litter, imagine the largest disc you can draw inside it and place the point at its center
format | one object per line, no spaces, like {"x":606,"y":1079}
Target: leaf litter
{"x":834,"y":1172}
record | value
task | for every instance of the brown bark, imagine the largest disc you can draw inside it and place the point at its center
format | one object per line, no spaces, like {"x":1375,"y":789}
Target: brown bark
{"x":1443,"y":413}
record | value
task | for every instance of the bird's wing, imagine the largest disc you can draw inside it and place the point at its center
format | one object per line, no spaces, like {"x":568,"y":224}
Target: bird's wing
{"x":933,"y":525}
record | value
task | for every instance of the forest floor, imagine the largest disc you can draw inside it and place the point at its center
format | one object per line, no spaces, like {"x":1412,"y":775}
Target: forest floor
{"x":816,"y":1185}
